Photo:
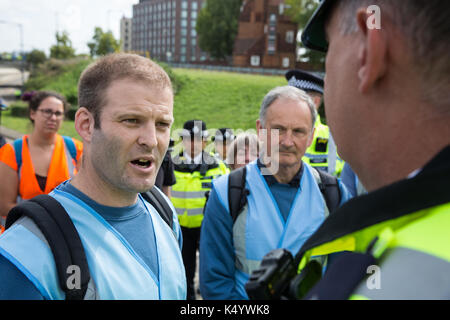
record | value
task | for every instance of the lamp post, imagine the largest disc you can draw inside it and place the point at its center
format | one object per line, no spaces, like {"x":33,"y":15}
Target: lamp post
{"x":22,"y":66}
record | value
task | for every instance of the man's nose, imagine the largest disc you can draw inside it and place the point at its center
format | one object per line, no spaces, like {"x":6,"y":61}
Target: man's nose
{"x":147,"y":136}
{"x":287,"y":139}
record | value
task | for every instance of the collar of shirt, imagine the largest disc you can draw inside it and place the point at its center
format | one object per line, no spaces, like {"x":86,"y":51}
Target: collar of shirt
{"x":197,"y":159}
{"x":270,"y":179}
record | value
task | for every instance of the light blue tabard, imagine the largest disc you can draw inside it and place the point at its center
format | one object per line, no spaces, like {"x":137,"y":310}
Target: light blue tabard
{"x":117,"y":271}
{"x":261,"y":228}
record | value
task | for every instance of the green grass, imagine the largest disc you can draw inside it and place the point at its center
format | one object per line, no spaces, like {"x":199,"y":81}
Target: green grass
{"x":221,"y":99}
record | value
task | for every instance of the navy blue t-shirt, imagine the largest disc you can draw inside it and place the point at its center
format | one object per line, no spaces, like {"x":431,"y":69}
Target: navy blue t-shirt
{"x":132,"y":222}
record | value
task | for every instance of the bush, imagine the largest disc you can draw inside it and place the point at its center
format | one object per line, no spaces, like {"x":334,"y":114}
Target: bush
{"x":60,"y":76}
{"x":19,"y":109}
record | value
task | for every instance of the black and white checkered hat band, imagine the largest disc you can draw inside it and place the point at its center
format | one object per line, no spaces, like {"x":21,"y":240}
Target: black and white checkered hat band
{"x":305,"y":85}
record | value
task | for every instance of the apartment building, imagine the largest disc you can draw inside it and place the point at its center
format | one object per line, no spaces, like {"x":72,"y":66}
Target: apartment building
{"x":125,"y":34}
{"x":165,"y":30}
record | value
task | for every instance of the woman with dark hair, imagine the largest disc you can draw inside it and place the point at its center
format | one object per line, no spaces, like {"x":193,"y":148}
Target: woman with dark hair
{"x":36,"y":163}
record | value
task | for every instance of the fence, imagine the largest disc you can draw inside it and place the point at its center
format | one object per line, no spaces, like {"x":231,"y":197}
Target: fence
{"x":263,"y":71}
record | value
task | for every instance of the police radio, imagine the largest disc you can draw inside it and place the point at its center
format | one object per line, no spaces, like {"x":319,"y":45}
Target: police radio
{"x":277,"y":277}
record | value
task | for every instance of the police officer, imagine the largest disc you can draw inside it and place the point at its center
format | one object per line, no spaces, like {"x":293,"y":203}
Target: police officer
{"x":322,"y":153}
{"x":222,"y":139}
{"x":194,"y":171}
{"x":383,"y":77}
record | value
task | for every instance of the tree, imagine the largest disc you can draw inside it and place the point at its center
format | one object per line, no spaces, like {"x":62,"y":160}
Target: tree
{"x":217,"y":27}
{"x":36,"y":57}
{"x":63,"y":48}
{"x":300,"y":11}
{"x":103,"y":43}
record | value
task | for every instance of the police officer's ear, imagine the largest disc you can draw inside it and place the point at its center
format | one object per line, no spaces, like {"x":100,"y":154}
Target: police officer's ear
{"x":84,"y":124}
{"x":372,"y":51}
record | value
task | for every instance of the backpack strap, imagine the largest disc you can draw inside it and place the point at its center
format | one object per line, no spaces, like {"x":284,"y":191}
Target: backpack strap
{"x":329,"y":187}
{"x":70,"y":145}
{"x":57,"y":227}
{"x":17,"y":144}
{"x":156,"y":199}
{"x":237,"y":194}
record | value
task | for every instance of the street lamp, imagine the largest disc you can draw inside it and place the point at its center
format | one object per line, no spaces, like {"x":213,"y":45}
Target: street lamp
{"x":22,"y":66}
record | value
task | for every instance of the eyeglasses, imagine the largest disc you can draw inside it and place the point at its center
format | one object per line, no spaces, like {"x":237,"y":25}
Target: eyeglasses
{"x":48,"y":113}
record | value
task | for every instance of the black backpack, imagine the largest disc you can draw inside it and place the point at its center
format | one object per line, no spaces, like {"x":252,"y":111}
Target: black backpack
{"x":55,"y":224}
{"x":237,"y":194}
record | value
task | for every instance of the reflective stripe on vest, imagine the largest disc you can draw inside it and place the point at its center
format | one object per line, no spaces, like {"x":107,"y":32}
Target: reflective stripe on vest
{"x":117,"y":270}
{"x":261,"y":228}
{"x":407,"y":274}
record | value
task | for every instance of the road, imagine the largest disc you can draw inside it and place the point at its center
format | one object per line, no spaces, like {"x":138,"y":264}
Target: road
{"x":10,"y":77}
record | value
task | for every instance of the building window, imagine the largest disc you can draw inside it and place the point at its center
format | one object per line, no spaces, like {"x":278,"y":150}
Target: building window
{"x":254,"y":61}
{"x":290,"y":37}
{"x":286,"y":62}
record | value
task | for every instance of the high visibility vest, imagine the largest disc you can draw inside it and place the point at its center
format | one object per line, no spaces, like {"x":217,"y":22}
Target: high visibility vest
{"x":322,"y":154}
{"x":413,"y":257}
{"x":62,"y":166}
{"x":402,"y":228}
{"x":188,"y":193}
{"x":117,"y":271}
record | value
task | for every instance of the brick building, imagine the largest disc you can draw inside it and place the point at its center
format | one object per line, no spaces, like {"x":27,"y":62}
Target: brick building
{"x":266,"y":37}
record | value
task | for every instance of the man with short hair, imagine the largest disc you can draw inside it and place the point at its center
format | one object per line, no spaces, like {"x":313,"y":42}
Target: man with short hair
{"x":388,"y":106}
{"x":284,"y":204}
{"x":124,"y":119}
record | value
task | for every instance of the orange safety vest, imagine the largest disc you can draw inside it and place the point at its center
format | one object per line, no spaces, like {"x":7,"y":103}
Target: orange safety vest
{"x":58,"y":171}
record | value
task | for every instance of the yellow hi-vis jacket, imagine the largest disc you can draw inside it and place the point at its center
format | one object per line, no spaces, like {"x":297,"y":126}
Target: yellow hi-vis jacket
{"x":322,"y":152}
{"x":404,"y":227}
{"x":193,"y":181}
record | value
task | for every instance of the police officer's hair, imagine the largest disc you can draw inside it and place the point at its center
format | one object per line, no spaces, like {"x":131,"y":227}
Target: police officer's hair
{"x":98,"y":76}
{"x":286,"y":92}
{"x":426,"y":26}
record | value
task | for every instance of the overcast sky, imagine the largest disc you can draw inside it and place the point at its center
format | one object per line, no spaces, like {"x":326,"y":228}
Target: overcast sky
{"x":42,"y":18}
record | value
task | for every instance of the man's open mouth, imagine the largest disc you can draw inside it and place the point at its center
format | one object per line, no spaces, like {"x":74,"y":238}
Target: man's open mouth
{"x":144,"y":163}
